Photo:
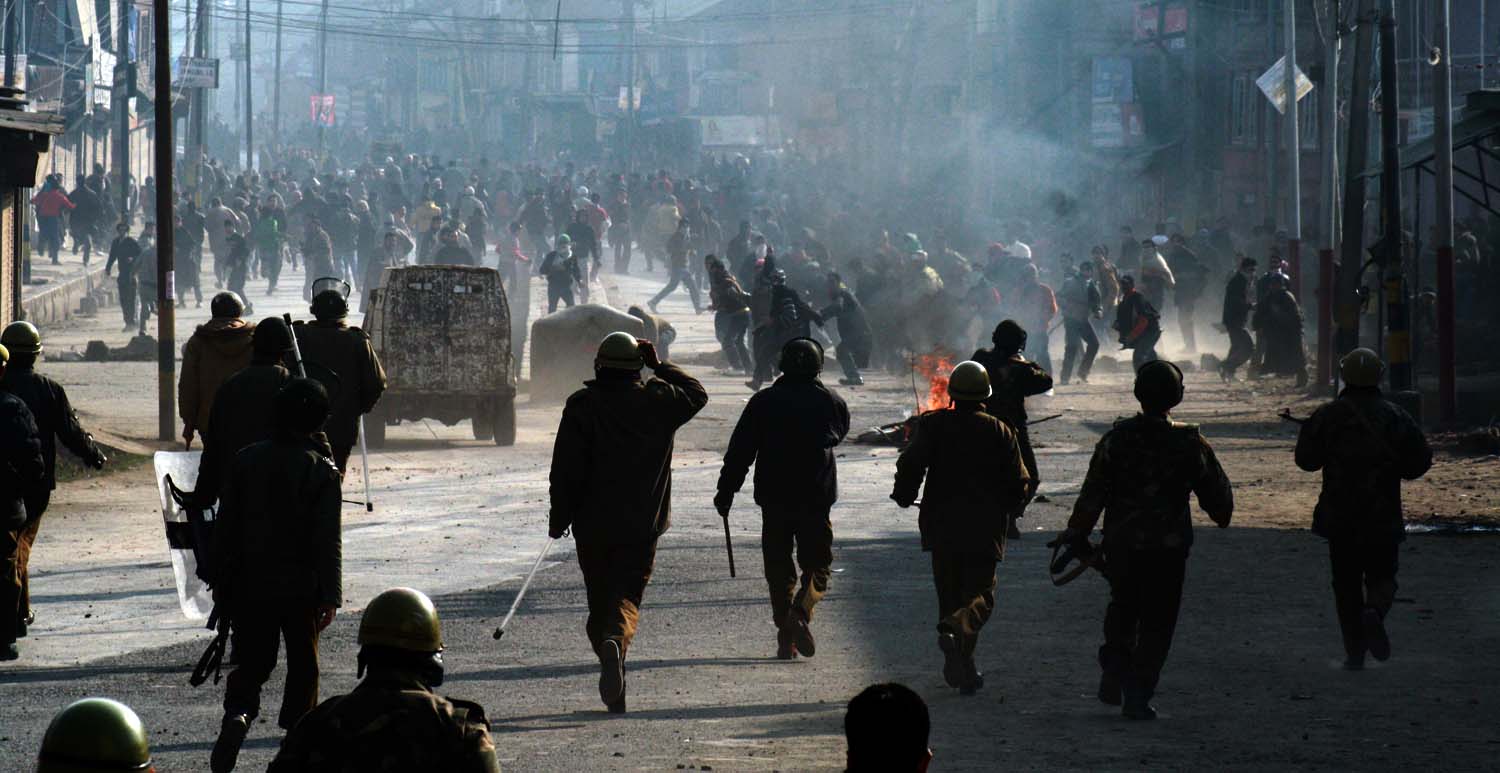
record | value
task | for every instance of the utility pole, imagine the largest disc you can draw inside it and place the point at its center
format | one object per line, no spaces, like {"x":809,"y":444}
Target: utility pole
{"x":249,"y":114}
{"x":276,"y":100}
{"x":166,"y":313}
{"x":198,"y":110}
{"x":124,"y":83}
{"x":1328,"y":105}
{"x":12,"y":7}
{"x":322,"y":73}
{"x":1397,"y":314}
{"x":629,"y":85}
{"x":1442,"y":139}
{"x":1293,"y":149}
{"x":1346,"y":304}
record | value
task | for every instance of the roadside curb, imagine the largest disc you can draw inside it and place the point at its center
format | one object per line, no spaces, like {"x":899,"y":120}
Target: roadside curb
{"x":63,"y":301}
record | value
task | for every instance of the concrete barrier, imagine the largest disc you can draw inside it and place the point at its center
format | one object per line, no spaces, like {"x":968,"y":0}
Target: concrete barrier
{"x":62,"y":301}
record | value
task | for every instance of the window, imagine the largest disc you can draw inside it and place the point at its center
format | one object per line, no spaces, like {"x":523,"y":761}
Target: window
{"x":1244,"y":110}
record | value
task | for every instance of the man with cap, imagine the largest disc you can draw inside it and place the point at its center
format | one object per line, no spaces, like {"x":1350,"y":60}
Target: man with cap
{"x":789,"y":432}
{"x":241,"y":410}
{"x":975,"y":480}
{"x":561,"y":269}
{"x":393,"y":720}
{"x":55,"y":421}
{"x":1140,"y":477}
{"x":277,"y":562}
{"x":345,"y":352}
{"x":21,"y":470}
{"x":1012,"y":379}
{"x":217,"y":350}
{"x":1365,"y":445}
{"x":95,"y":734}
{"x":611,"y":484}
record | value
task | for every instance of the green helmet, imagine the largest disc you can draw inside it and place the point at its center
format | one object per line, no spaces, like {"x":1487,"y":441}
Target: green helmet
{"x":403,"y":619}
{"x":1361,"y":368}
{"x":94,"y":734}
{"x":1158,"y":385}
{"x":22,"y":337}
{"x":969,"y":381}
{"x":801,"y":357}
{"x":564,"y":239}
{"x":4,"y":354}
{"x":620,"y":351}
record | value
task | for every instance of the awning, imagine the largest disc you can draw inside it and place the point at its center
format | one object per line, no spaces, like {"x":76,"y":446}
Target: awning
{"x":1476,"y":177}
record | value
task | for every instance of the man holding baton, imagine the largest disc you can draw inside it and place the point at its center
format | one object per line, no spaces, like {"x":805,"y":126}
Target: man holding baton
{"x":789,"y":432}
{"x":611,"y":483}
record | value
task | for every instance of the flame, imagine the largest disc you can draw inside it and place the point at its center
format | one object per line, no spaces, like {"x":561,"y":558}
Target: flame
{"x":934,"y":367}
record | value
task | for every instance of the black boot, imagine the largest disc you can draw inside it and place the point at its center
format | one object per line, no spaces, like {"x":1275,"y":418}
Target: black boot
{"x":785,"y":648}
{"x":953,"y":663}
{"x":611,"y":674}
{"x":1373,"y":628}
{"x":227,"y":748}
{"x":1138,"y":706}
{"x":796,"y":623}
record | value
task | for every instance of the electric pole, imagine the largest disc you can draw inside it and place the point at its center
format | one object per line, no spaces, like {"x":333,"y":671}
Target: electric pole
{"x":276,"y":100}
{"x":1397,"y":313}
{"x":124,"y":83}
{"x":249,"y":114}
{"x":629,"y":85}
{"x":198,"y":110}
{"x":1346,"y":302}
{"x":166,"y":313}
{"x":1293,"y":149}
{"x":1328,"y":105}
{"x":1442,"y":139}
{"x":322,"y":75}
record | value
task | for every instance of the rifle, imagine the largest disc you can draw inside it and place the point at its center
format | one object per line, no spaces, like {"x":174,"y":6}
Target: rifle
{"x":213,"y":658}
{"x":1286,"y":415}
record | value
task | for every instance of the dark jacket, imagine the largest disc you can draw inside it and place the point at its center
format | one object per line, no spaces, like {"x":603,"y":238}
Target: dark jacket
{"x":854,"y":327}
{"x":1237,"y":303}
{"x":124,"y":250}
{"x":560,"y":271}
{"x":975,"y":479}
{"x":55,"y":419}
{"x":21,"y":467}
{"x":277,"y":536}
{"x":1013,"y":378}
{"x":611,"y":475}
{"x":1135,"y":317}
{"x":1140,"y":477}
{"x":788,"y":432}
{"x":1365,"y":445}
{"x":217,"y":350}
{"x":241,"y":416}
{"x":346,"y":351}
{"x":389,"y":722}
{"x":451,"y":254}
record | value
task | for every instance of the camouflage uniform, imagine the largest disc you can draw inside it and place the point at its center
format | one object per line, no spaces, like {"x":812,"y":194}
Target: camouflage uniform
{"x":390,"y":723}
{"x":1140,"y":477}
{"x":1365,"y":446}
{"x":975,"y":477}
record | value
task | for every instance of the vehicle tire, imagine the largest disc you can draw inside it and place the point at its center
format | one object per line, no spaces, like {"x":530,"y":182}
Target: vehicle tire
{"x":483,"y":423}
{"x":505,"y":422}
{"x":375,"y":429}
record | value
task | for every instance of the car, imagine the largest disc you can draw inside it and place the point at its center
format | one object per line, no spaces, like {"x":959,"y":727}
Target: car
{"x":443,"y":335}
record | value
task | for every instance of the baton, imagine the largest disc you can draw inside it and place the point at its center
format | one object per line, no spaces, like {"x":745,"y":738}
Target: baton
{"x":296,"y":349}
{"x":522,"y":592}
{"x":1045,"y":418}
{"x":1286,"y":415}
{"x":364,"y":455}
{"x":729,"y":545}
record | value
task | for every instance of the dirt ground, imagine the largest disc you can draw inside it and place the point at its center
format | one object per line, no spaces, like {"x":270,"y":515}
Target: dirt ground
{"x":1252,"y":682}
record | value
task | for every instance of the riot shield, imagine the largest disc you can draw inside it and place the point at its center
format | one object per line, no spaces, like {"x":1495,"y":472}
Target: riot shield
{"x":186,"y":533}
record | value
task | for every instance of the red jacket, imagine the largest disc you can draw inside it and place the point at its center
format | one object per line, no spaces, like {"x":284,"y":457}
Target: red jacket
{"x":51,"y":203}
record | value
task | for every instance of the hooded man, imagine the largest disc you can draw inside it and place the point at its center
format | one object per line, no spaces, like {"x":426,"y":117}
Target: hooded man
{"x":1012,"y":379}
{"x":561,"y":269}
{"x":241,"y":410}
{"x":217,"y":350}
{"x":611,"y":484}
{"x":788,"y":432}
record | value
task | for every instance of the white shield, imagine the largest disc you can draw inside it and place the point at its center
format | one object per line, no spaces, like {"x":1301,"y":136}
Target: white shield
{"x":192,"y":593}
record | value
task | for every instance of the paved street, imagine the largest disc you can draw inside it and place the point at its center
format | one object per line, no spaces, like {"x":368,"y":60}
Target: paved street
{"x":462,"y":519}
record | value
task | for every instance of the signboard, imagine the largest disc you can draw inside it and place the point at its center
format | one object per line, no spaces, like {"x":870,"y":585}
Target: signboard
{"x":1148,"y":16}
{"x":1107,"y":127}
{"x":321,"y":109}
{"x":1114,"y":79}
{"x":1273,"y":84}
{"x":733,"y":130}
{"x":196,"y":73}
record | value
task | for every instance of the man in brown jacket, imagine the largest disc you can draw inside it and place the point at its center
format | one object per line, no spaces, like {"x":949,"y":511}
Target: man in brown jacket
{"x":975,"y":480}
{"x":217,"y":350}
{"x":611,"y":483}
{"x":345,"y":353}
{"x":1014,"y":378}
